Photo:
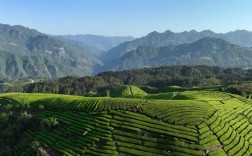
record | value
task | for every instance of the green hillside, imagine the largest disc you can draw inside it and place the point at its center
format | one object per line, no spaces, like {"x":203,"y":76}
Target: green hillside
{"x":127,"y":91}
{"x":191,"y":123}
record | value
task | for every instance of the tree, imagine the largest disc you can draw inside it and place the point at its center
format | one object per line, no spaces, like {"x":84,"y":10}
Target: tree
{"x":49,"y":122}
{"x":25,"y":115}
{"x":210,"y":81}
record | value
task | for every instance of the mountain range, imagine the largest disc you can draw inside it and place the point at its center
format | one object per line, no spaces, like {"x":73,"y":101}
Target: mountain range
{"x":103,"y":43}
{"x":26,"y":52}
{"x":242,"y":38}
{"x":206,"y":51}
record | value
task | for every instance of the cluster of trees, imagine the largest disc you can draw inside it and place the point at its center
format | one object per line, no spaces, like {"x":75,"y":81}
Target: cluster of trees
{"x":12,"y":85}
{"x":244,"y":89}
{"x":13,"y":121}
{"x":185,"y":76}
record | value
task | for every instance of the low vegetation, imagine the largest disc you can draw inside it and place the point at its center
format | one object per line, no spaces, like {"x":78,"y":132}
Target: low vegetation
{"x":173,"y":123}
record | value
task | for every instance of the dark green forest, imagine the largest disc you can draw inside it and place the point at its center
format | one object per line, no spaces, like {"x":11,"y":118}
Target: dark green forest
{"x":184,"y":76}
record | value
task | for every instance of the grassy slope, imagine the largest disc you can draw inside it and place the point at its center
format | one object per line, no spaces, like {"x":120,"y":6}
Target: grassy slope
{"x":127,"y":91}
{"x":210,"y":123}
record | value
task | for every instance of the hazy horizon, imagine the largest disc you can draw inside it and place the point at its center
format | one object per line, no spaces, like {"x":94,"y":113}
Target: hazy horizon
{"x":127,"y":18}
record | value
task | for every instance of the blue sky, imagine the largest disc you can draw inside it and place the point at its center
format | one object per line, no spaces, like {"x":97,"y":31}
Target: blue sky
{"x":127,"y":17}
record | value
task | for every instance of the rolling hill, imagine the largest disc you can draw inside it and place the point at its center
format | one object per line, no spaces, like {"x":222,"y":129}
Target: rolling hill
{"x":127,"y":91}
{"x":204,"y":123}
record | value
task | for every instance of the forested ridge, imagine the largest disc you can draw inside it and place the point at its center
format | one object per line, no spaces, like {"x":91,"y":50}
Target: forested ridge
{"x":185,"y":76}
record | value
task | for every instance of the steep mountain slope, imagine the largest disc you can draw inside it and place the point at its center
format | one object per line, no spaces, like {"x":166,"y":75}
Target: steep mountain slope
{"x":155,"y":39}
{"x":101,"y":42}
{"x":206,"y":51}
{"x":67,"y":57}
{"x":15,"y":66}
{"x":14,"y":38}
{"x":80,"y":45}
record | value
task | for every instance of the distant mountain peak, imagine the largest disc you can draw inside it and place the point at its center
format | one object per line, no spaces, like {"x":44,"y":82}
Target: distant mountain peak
{"x":168,"y":32}
{"x":208,"y":30}
{"x":193,"y":31}
{"x":241,"y":30}
{"x":153,"y":33}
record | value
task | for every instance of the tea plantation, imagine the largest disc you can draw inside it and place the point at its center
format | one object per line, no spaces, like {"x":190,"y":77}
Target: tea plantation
{"x":127,"y":91}
{"x":179,"y":123}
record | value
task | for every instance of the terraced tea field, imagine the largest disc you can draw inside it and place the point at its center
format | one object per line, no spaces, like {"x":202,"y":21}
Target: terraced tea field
{"x":191,"y":123}
{"x":127,"y":91}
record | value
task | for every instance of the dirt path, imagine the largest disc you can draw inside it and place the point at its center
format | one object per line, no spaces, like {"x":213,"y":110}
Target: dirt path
{"x":130,"y":90}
